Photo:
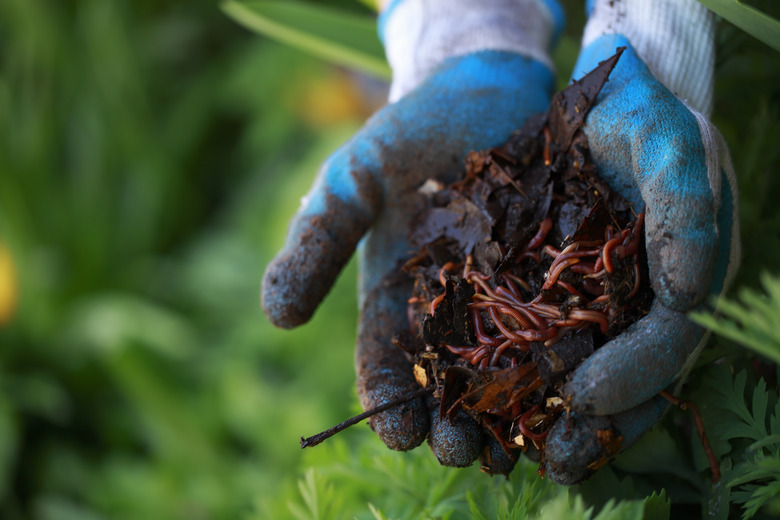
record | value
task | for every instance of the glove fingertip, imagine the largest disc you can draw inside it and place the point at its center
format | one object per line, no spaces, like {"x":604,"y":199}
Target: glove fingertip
{"x":494,"y":460}
{"x":578,"y":445}
{"x":403,"y":427}
{"x":282,"y":303}
{"x":573,"y":445}
{"x":456,"y":441}
{"x":302,"y":274}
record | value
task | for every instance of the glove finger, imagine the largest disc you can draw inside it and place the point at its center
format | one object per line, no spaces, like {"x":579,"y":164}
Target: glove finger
{"x":579,"y":444}
{"x":680,"y":233}
{"x":495,"y":460}
{"x":649,"y":147}
{"x":456,"y":440}
{"x":636,"y":365}
{"x":334,"y":216}
{"x":383,"y":371}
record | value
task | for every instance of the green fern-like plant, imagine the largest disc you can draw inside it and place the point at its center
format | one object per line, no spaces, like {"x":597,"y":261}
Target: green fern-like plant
{"x":752,"y":321}
{"x":754,"y":479}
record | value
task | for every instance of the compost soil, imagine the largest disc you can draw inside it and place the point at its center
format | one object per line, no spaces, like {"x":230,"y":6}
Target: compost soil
{"x":522,"y":269}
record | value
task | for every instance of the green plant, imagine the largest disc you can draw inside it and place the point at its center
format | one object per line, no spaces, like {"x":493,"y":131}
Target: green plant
{"x":752,"y":425}
{"x":749,"y":19}
{"x":330,"y":33}
{"x":751,"y":322}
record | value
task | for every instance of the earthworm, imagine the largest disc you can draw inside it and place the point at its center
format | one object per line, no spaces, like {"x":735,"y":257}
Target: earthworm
{"x":512,"y":287}
{"x":478,"y":354}
{"x":468,"y":265}
{"x":600,"y":299}
{"x":498,"y":351}
{"x":519,"y":281}
{"x":583,"y":268}
{"x":553,"y":275}
{"x":599,"y":264}
{"x":592,"y":316}
{"x":552,"y":251}
{"x":631,"y":247}
{"x":606,"y":252}
{"x":547,"y":310}
{"x":509,"y":295}
{"x":521,"y":337}
{"x":479,"y":329}
{"x":523,"y":309}
{"x":569,"y":287}
{"x":525,"y":430}
{"x":544,"y":228}
{"x":515,"y":314}
{"x":459,"y":351}
{"x":492,"y":296}
{"x":436,"y":301}
{"x":446,"y":267}
{"x":566,"y":255}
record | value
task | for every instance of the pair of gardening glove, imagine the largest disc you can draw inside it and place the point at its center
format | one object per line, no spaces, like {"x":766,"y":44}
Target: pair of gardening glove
{"x":465,"y":75}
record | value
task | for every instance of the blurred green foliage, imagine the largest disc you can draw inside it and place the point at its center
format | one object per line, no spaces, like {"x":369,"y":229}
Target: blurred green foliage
{"x":332,"y":34}
{"x":151,"y":155}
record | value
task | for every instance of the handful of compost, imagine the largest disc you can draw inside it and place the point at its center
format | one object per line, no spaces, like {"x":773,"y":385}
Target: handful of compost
{"x":522,"y":269}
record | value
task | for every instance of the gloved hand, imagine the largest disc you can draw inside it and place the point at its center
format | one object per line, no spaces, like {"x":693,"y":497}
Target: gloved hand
{"x":465,"y":77}
{"x":666,"y":158}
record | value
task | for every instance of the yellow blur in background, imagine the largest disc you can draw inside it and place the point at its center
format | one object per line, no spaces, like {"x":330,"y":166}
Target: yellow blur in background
{"x":8,"y":285}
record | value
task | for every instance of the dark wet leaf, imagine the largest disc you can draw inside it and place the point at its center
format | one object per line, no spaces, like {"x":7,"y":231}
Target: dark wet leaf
{"x":461,"y":220}
{"x":570,"y":106}
{"x":456,"y":383}
{"x":451,"y":324}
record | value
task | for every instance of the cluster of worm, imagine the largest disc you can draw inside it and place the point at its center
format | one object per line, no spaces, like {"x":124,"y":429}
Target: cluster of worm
{"x":521,"y":270}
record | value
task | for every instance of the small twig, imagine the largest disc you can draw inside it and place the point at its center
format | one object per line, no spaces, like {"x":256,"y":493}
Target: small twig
{"x":690,"y":405}
{"x":316,"y":439}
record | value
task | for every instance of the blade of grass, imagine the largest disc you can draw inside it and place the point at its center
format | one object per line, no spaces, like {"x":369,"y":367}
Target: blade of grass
{"x":754,"y":22}
{"x":334,"y":35}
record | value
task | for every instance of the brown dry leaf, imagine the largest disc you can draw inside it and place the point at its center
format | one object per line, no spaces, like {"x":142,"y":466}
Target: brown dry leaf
{"x":506,"y":388}
{"x":421,"y":376}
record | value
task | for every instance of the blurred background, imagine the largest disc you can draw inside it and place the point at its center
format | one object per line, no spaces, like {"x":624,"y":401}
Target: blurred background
{"x":151,"y":153}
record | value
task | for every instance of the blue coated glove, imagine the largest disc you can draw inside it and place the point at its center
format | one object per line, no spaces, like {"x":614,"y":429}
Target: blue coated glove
{"x":445,"y":106}
{"x":667,"y":160}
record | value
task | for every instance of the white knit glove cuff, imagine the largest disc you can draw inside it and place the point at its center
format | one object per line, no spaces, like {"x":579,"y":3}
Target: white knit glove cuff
{"x":420,"y":34}
{"x":675,"y":39}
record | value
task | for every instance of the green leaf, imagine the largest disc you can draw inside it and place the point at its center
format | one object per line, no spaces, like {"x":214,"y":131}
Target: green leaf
{"x":657,"y":506}
{"x":754,"y":22}
{"x":716,"y":501}
{"x":319,"y":497}
{"x":751,"y":322}
{"x":760,"y":401}
{"x":338,"y":36}
{"x":755,"y":480}
{"x":767,"y":441}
